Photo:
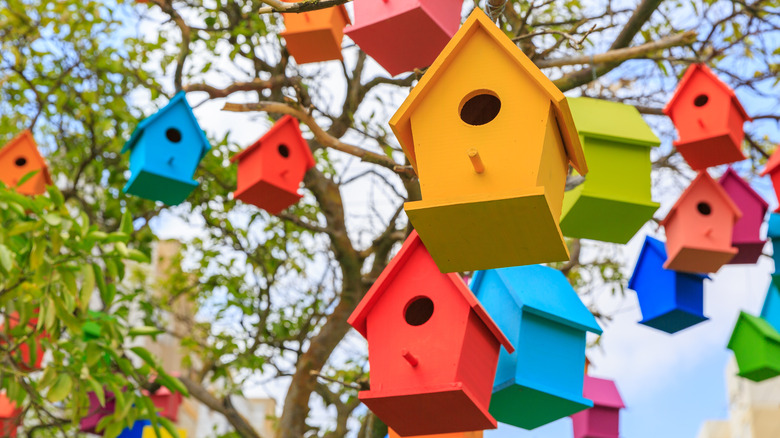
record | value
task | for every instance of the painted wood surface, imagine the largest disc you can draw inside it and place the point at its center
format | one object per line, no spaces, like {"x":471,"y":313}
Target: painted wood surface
{"x":315,"y":36}
{"x":747,"y":230}
{"x":756,"y":346}
{"x":603,"y":419}
{"x":19,"y":157}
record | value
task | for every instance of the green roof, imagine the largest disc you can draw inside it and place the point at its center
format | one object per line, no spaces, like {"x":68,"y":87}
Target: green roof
{"x":760,"y":324}
{"x":611,"y":120}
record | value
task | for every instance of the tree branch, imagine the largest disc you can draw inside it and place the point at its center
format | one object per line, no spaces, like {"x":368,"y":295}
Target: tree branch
{"x":224,"y":407}
{"x":303,"y":6}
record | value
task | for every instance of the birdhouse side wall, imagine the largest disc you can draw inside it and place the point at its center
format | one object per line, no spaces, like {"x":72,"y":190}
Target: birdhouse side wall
{"x":603,"y":422}
{"x":551,"y":355}
{"x":771,"y":308}
{"x":164,"y":156}
{"x":655,"y":289}
{"x":478,"y":360}
{"x":736,"y":125}
{"x":690,"y":227}
{"x":510,"y":145}
{"x":694,"y":122}
{"x":619,"y":171}
{"x":689,"y":293}
{"x":337,"y":23}
{"x":553,"y":167}
{"x":748,"y":227}
{"x":748,"y":345}
{"x":436,"y":344}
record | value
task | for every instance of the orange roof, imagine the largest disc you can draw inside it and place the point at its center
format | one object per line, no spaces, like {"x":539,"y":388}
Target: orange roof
{"x":703,"y":178}
{"x":703,"y":69}
{"x":25,"y":138}
{"x":478,"y":21}
{"x":773,"y":163}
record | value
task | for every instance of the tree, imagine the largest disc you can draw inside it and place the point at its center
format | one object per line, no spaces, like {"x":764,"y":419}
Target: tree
{"x":277,"y":290}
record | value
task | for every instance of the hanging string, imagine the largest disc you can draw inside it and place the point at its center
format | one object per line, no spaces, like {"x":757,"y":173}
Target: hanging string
{"x":495,"y":8}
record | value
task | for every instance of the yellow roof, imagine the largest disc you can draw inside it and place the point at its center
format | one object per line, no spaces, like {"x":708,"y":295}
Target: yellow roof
{"x":401,"y":120}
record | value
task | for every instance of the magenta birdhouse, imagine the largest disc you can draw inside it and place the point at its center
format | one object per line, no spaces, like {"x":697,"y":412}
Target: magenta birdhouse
{"x":97,"y":411}
{"x":773,"y":170}
{"x":272,"y":169}
{"x":432,"y":348}
{"x":708,"y":118}
{"x":747,"y":231}
{"x":603,"y":419}
{"x":402,"y":35}
{"x":699,"y":227}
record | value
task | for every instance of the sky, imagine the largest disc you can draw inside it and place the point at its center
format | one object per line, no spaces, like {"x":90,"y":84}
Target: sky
{"x":669,"y":383}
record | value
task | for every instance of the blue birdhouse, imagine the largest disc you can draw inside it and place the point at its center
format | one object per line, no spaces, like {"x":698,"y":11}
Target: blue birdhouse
{"x":771,"y":310}
{"x":541,"y":314}
{"x":165,"y":150}
{"x":136,"y":431}
{"x":670,"y":301}
{"x":773,"y":232}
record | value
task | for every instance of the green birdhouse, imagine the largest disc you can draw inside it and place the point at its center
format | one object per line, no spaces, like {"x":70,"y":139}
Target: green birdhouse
{"x":756,"y":346}
{"x":614,"y":201}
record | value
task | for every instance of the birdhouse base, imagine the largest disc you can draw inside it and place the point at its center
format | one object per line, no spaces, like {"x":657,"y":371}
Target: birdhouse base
{"x":154,"y":187}
{"x":674,"y":321}
{"x":711,"y":151}
{"x":765,"y":372}
{"x":430,"y":410}
{"x":470,"y":233}
{"x":748,"y":253}
{"x":529,"y":408}
{"x":267,"y":196}
{"x":608,"y":220}
{"x":699,"y":260}
{"x":416,"y":39}
{"x":313,"y":45}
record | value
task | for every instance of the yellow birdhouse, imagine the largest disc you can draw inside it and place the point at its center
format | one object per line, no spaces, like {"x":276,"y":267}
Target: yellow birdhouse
{"x":491,"y":139}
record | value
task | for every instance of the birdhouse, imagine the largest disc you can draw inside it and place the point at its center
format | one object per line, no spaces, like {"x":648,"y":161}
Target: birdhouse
{"x":547,"y":323}
{"x":29,"y":355}
{"x":315,"y":36}
{"x":747,"y":231}
{"x":756,"y":346}
{"x":603,"y":419}
{"x":700,"y":226}
{"x":432,"y":348}
{"x":472,"y":434}
{"x":773,"y":233}
{"x":402,"y":35}
{"x":271,"y":170}
{"x":492,"y":152}
{"x":708,"y":118}
{"x":150,"y":433}
{"x":165,"y":150}
{"x":670,"y":301}
{"x":614,"y":201}
{"x":97,"y":411}
{"x":19,"y":157}
{"x":10,"y":416}
{"x":772,"y":169}
{"x":770,"y":312}
{"x":137,"y":431}
{"x":166,"y":401}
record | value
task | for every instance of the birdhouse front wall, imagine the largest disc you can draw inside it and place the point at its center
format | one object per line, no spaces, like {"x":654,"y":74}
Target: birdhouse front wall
{"x":478,"y":375}
{"x":702,"y":110}
{"x":19,"y":158}
{"x":747,"y":229}
{"x":617,"y":170}
{"x":171,"y":146}
{"x":279,"y":163}
{"x":757,"y":353}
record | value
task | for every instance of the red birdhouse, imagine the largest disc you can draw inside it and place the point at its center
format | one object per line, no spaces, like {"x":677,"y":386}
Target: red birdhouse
{"x":603,"y":419}
{"x":699,"y":227}
{"x":271,"y":170}
{"x":773,"y":170}
{"x":433,"y":349}
{"x":315,"y":36}
{"x":708,"y":118}
{"x":10,"y":416}
{"x":747,"y":231}
{"x":167,"y":401}
{"x":26,"y":358}
{"x":19,"y":157}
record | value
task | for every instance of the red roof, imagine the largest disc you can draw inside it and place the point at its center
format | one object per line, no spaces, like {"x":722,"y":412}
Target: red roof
{"x":703,"y":178}
{"x":286,"y":122}
{"x":703,"y":69}
{"x":772,"y":163}
{"x":395,"y":267}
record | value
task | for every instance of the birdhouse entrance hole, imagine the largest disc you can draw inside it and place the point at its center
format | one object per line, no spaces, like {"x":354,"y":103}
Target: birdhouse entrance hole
{"x":173,"y":134}
{"x":701,"y":100}
{"x":284,"y":151}
{"x":480,"y":107}
{"x":418,"y":311}
{"x":704,"y":208}
{"x":21,"y":161}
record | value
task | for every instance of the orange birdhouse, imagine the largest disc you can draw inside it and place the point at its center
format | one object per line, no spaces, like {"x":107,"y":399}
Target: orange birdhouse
{"x":492,"y":152}
{"x":10,"y":416}
{"x":708,"y":118}
{"x":773,"y":170}
{"x":29,"y":355}
{"x":271,"y":170}
{"x":432,"y":348}
{"x":472,"y":434}
{"x":699,"y":227}
{"x":19,"y":157}
{"x":315,"y":36}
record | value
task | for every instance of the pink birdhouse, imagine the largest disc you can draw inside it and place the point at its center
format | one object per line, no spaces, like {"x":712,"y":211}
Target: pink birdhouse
{"x":708,"y":118}
{"x":402,"y":35}
{"x":96,"y":411}
{"x":603,"y":419}
{"x":271,"y":170}
{"x":747,"y":230}
{"x":773,"y":170}
{"x":433,"y":349}
{"x":10,"y":416}
{"x":699,"y":227}
{"x":167,"y":401}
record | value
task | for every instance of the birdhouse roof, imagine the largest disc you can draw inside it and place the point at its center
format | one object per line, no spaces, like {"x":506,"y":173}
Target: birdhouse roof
{"x":545,"y":292}
{"x":760,"y":325}
{"x":702,"y":69}
{"x":703,"y":179}
{"x":772,"y":164}
{"x":179,"y":99}
{"x":25,"y":141}
{"x":396,"y":267}
{"x":656,"y":248}
{"x":8,"y":408}
{"x":479,"y":22}
{"x":732,"y":175}
{"x":612,"y":121}
{"x":603,"y":392}
{"x":287,"y":122}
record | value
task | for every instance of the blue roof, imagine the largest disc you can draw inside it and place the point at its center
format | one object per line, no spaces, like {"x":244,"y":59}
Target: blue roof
{"x":773,"y":231}
{"x":546,"y":292}
{"x":179,"y":98}
{"x":654,"y":247}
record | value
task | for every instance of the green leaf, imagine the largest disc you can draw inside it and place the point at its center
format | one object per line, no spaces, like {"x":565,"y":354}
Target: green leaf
{"x":52,"y":219}
{"x":87,"y":286}
{"x":36,"y":255}
{"x":145,"y":355}
{"x":145,"y":331}
{"x":97,"y":388}
{"x":60,"y":389}
{"x":126,"y":225}
{"x":6,"y":258}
